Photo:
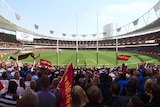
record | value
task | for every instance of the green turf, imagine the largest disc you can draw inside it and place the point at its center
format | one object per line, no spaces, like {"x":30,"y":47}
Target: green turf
{"x":104,"y":58}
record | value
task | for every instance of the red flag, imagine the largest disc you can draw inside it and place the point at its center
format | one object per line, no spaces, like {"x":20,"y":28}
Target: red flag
{"x":1,"y":86}
{"x":65,"y":86}
{"x":45,"y":63}
{"x":123,"y":57}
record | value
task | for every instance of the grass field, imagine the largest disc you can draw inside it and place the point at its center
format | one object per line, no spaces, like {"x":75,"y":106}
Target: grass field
{"x":104,"y":58}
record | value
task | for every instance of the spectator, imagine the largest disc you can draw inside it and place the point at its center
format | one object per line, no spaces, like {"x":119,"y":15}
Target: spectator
{"x":123,"y":83}
{"x":56,"y":90}
{"x":29,"y":99}
{"x":33,"y":85}
{"x":46,"y":97}
{"x":149,"y":75}
{"x":135,"y":101}
{"x":24,"y":71}
{"x":94,"y":95}
{"x":147,"y":87}
{"x":28,"y":79}
{"x":115,"y":89}
{"x":155,"y":96}
{"x":5,"y":83}
{"x":10,"y":98}
{"x":79,"y":98}
{"x":104,"y":86}
{"x":16,"y":78}
{"x":122,"y":101}
{"x":21,"y":88}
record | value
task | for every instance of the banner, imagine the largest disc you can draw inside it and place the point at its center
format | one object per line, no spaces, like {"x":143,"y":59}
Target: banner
{"x":22,"y":36}
{"x":45,"y":63}
{"x":65,"y":86}
{"x":23,"y":56}
{"x":123,"y":57}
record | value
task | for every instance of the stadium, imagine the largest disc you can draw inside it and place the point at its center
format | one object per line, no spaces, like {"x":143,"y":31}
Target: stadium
{"x":140,"y":38}
{"x":119,"y":67}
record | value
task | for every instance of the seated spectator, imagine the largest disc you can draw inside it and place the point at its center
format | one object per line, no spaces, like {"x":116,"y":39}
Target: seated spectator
{"x":79,"y":98}
{"x":46,"y":97}
{"x":94,"y":95}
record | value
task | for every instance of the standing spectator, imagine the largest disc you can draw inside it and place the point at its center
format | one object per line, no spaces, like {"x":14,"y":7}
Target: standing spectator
{"x":79,"y":97}
{"x":29,"y":99}
{"x":155,"y":96}
{"x":46,"y":97}
{"x":21,"y":88}
{"x":24,"y":71}
{"x":115,"y":89}
{"x":104,"y":86}
{"x":123,"y":83}
{"x":122,"y":101}
{"x":28,"y":80}
{"x":16,"y":78}
{"x":33,"y":85}
{"x":5,"y":83}
{"x":94,"y":95}
{"x":135,"y":101}
{"x":124,"y":68}
{"x":56,"y":90}
{"x":10,"y":98}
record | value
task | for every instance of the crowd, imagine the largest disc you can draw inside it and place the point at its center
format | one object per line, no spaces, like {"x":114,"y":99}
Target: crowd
{"x":26,"y":85}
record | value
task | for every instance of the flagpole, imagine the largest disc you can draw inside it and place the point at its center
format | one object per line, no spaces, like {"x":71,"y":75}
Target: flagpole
{"x":116,"y":46}
{"x":97,"y":39}
{"x":77,"y":39}
{"x":57,"y":52}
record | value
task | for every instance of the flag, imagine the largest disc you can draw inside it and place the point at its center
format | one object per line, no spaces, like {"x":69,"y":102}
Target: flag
{"x":23,"y":56}
{"x":94,"y":35}
{"x":51,"y":31}
{"x":65,"y":86}
{"x":135,"y":22}
{"x":83,"y":35}
{"x":64,"y":34}
{"x":104,"y":33}
{"x":1,"y":86}
{"x":123,"y":57}
{"x":45,"y":63}
{"x":74,"y":35}
{"x":36,"y":26}
{"x":118,"y":29}
{"x":18,"y":17}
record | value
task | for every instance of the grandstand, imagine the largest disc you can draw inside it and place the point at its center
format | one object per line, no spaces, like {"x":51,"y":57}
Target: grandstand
{"x":140,"y":36}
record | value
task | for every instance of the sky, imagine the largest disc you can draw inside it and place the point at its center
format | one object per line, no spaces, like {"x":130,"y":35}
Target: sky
{"x":79,"y":16}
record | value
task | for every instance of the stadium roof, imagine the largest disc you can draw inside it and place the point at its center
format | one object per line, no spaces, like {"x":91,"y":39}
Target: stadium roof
{"x":5,"y":24}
